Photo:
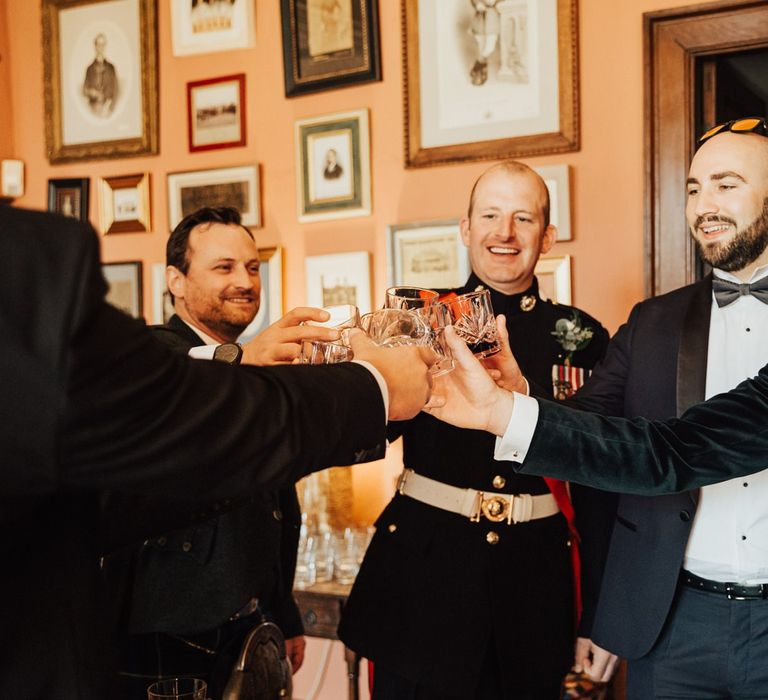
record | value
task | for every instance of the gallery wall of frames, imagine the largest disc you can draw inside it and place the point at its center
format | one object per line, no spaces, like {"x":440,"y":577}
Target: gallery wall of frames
{"x":322,"y":121}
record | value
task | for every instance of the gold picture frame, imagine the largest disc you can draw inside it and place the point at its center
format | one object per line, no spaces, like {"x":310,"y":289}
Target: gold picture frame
{"x":124,"y":204}
{"x":554,"y":276}
{"x":100,"y":76}
{"x":484,"y":93}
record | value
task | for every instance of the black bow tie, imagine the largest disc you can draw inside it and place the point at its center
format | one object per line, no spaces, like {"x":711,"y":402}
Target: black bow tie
{"x":727,"y":292}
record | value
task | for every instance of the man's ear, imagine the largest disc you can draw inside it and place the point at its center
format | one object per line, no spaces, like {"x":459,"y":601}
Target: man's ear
{"x":176,"y":281}
{"x":464,"y":230}
{"x":548,"y":238}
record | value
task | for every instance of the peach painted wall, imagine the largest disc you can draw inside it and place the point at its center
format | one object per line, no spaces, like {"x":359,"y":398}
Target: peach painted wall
{"x":6,"y":112}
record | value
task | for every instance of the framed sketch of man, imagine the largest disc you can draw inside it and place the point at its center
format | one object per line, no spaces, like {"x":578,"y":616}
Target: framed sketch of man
{"x":100,"y":59}
{"x":333,"y":168}
{"x":489,"y":79}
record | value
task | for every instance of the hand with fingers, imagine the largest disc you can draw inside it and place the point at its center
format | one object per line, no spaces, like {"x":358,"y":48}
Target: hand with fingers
{"x":598,"y":663}
{"x":405,"y":370}
{"x":281,"y":342}
{"x":503,"y":364}
{"x":468,"y":397}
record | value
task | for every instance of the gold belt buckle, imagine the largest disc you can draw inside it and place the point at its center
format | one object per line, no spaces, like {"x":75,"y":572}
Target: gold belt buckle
{"x":496,"y":507}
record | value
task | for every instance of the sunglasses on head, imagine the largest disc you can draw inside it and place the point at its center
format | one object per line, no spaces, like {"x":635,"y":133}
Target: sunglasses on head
{"x":747,"y":125}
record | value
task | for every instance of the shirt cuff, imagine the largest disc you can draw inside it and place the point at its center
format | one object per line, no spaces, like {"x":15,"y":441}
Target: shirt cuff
{"x":382,"y":384}
{"x":203,"y":352}
{"x":516,"y":441}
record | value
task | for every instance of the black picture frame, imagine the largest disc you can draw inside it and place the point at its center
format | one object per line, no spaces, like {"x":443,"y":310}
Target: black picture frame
{"x":69,"y":193}
{"x":315,"y":60}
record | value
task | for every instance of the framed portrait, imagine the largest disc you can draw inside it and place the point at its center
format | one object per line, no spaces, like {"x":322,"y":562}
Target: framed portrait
{"x":271,"y":304}
{"x":429,"y":254}
{"x":124,"y":204}
{"x":216,"y":113}
{"x":100,"y":64}
{"x":162,"y":306}
{"x":485,"y":81}
{"x":554,"y":276}
{"x":124,"y":281}
{"x":69,"y":197}
{"x":205,"y":26}
{"x":340,"y":278}
{"x":557,"y":180}
{"x":333,"y":166}
{"x":329,"y":44}
{"x":236,"y":187}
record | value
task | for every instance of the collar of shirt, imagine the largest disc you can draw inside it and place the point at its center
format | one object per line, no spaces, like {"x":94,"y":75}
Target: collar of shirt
{"x":758,"y":274}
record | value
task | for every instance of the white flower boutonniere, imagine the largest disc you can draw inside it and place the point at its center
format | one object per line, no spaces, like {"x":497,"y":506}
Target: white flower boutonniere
{"x":571,"y":335}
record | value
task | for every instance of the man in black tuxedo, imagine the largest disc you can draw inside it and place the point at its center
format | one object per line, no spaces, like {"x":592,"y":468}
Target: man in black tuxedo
{"x":438,"y":604}
{"x":192,"y":595}
{"x":92,"y":402}
{"x":664,"y":602}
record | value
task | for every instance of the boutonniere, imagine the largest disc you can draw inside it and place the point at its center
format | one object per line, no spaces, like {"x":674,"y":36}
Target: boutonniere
{"x":571,"y":335}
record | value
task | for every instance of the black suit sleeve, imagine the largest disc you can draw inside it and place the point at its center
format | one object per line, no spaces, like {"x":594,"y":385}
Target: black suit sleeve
{"x":717,"y":440}
{"x":139,"y":417}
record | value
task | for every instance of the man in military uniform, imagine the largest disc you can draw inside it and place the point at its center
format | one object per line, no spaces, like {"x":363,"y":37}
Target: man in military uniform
{"x":467,"y":592}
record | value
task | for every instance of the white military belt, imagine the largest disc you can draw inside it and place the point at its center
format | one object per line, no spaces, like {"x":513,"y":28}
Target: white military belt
{"x":471,"y":503}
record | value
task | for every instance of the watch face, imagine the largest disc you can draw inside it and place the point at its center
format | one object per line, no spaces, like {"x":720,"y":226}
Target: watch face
{"x":228,"y":352}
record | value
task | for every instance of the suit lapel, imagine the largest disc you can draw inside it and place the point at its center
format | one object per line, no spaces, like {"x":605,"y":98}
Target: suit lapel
{"x":693,"y":352}
{"x":182,"y":329}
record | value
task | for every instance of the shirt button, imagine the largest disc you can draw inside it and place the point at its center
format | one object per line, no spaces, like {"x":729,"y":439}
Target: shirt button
{"x":492,"y":537}
{"x":685,"y":516}
{"x":277,"y":515}
{"x":743,"y":537}
{"x":745,"y":484}
{"x":392,"y":527}
{"x":516,"y":454}
{"x":187,"y":546}
{"x":499,"y":482}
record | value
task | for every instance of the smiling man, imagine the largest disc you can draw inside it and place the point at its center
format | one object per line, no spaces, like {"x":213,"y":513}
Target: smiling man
{"x":195,"y":593}
{"x":434,"y":567}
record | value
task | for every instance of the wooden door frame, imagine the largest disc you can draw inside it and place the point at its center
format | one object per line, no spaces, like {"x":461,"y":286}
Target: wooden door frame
{"x":672,"y":40}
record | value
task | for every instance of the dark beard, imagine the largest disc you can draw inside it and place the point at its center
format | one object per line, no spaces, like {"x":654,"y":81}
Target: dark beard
{"x":745,"y":247}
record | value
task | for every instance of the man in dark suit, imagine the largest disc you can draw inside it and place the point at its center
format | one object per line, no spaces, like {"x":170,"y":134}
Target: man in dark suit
{"x":92,"y":402}
{"x":680,"y":584}
{"x":439,"y":605}
{"x":193,"y":595}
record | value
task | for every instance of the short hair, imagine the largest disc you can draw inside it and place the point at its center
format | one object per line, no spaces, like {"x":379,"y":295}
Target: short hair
{"x":177,"y":248}
{"x":513,"y":167}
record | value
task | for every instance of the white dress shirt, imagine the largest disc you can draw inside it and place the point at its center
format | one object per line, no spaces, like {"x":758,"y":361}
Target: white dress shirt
{"x":729,"y":538}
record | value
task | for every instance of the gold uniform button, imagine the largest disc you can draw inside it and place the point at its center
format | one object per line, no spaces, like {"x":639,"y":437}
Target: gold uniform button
{"x":492,"y":537}
{"x":499,"y":482}
{"x":392,"y":527}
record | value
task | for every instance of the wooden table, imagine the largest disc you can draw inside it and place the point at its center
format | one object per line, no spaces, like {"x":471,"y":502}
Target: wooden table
{"x":320,"y":606}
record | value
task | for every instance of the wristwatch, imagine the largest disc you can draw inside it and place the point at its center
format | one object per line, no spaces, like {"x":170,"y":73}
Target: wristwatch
{"x":231,"y":353}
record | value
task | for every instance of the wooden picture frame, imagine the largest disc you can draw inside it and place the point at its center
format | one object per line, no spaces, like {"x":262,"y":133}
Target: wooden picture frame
{"x":100,"y":77}
{"x":333,"y":168}
{"x":329,"y":44}
{"x":216,"y":113}
{"x":234,"y":187}
{"x":554,"y":275}
{"x":207,"y":28}
{"x":124,"y":204}
{"x":427,"y":254}
{"x":69,"y":197}
{"x":271,"y":303}
{"x":124,"y":280}
{"x":483,"y":93}
{"x":339,"y":278}
{"x":557,"y":178}
{"x":162,"y":306}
